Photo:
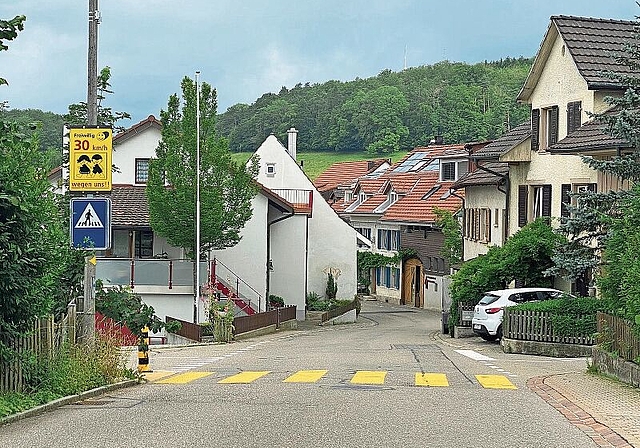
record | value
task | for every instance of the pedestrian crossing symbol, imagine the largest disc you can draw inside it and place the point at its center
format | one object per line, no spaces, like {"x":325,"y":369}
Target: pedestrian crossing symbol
{"x":89,"y":219}
{"x":90,"y":223}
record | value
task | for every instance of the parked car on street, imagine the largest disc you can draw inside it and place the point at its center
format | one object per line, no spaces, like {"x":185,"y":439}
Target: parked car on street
{"x":487,"y":314}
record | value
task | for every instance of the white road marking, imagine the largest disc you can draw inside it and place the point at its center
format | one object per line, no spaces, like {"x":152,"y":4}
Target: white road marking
{"x":474,"y":355}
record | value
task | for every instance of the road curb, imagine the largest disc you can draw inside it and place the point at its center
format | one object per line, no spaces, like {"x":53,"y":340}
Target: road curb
{"x":600,"y":433}
{"x":66,"y":400}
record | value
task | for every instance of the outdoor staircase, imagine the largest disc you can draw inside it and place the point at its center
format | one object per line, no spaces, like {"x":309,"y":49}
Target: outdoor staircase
{"x":229,"y":294}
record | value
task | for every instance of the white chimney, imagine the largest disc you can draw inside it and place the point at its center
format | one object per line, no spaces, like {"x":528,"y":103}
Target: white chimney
{"x":292,"y":143}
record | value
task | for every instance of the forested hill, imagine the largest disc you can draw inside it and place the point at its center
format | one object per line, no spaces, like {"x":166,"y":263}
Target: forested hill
{"x":392,"y":111}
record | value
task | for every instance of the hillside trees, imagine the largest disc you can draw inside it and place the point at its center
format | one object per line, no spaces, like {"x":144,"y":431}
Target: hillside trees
{"x":226,"y":187}
{"x":459,"y":101}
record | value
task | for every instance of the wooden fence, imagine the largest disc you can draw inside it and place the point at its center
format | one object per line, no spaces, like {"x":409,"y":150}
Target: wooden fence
{"x":328,"y":315}
{"x":616,"y":335}
{"x":44,"y":340}
{"x":187,"y":330}
{"x":537,"y":326}
{"x":244,"y":324}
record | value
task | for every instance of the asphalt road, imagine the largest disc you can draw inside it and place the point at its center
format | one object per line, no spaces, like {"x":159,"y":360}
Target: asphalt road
{"x":388,"y":345}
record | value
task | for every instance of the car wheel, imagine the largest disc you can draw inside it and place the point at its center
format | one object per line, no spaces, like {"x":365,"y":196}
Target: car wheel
{"x":499,"y":332}
{"x":489,"y":337}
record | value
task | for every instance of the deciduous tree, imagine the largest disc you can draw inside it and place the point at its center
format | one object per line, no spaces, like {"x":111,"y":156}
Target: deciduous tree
{"x":226,"y":187}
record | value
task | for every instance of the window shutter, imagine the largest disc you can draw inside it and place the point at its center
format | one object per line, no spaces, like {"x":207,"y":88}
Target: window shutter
{"x":574,"y":115}
{"x":488,"y":237}
{"x":546,"y":200}
{"x":565,"y":189}
{"x":523,"y":191}
{"x":553,"y":125}
{"x":535,"y":129}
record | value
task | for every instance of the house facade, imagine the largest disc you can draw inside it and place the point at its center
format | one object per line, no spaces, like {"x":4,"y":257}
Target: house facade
{"x":394,"y":209}
{"x":536,"y":166}
{"x":329,"y":244}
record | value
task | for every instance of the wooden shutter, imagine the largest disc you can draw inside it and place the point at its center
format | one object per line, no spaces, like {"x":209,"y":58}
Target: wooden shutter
{"x":535,"y":129}
{"x":553,"y":125}
{"x":574,"y":116}
{"x":546,"y":200}
{"x":523,"y":204}
{"x":565,"y":198}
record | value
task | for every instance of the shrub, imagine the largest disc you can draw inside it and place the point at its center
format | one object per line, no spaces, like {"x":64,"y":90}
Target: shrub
{"x":72,"y":370}
{"x":524,"y":258}
{"x":571,"y":316}
{"x":275,"y":300}
{"x":332,"y":287}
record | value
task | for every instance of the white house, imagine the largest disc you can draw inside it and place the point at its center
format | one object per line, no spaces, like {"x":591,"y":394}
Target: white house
{"x":329,"y":243}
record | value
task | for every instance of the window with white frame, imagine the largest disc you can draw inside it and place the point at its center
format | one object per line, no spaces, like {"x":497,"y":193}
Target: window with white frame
{"x":448,"y":171}
{"x":271,"y":169}
{"x":142,"y":171}
{"x":388,"y":277}
{"x":364,"y":231}
{"x":388,"y":239}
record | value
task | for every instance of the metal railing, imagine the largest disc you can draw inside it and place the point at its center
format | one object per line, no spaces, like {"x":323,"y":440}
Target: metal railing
{"x":218,"y":270}
{"x":171,"y":273}
{"x":301,"y":199}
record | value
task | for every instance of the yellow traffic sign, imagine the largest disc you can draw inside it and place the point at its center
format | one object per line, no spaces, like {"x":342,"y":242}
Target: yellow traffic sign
{"x":90,"y":159}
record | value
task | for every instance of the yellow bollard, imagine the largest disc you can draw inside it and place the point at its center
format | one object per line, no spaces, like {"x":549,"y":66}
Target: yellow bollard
{"x":143,"y":352}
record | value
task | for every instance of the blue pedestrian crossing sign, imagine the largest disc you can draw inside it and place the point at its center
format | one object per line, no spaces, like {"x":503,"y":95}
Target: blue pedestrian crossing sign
{"x":91,"y":223}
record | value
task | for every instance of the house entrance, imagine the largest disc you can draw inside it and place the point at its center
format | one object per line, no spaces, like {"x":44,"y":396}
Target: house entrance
{"x":412,"y":291}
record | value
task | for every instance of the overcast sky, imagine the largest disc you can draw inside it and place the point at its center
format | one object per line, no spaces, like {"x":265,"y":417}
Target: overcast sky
{"x":245,"y":48}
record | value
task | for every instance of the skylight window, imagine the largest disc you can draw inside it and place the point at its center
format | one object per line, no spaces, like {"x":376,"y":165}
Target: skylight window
{"x":430,"y":192}
{"x":411,"y":162}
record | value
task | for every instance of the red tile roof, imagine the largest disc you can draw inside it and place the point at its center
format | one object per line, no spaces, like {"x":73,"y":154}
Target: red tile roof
{"x":413,"y":182}
{"x":345,"y":172}
{"x":148,"y":122}
{"x":129,"y":206}
{"x":415,"y":207}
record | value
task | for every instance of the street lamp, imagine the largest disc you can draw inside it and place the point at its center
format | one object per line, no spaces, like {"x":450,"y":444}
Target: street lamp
{"x":197,"y":285}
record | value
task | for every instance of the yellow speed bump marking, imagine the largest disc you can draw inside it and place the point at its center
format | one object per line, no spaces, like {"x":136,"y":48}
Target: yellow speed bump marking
{"x":369,"y":377}
{"x":432,"y":379}
{"x":184,"y":378}
{"x":156,"y":375}
{"x":495,"y":382}
{"x":244,"y":377}
{"x":306,"y":376}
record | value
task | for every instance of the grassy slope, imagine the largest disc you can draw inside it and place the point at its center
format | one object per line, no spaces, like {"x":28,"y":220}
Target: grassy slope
{"x":315,"y":163}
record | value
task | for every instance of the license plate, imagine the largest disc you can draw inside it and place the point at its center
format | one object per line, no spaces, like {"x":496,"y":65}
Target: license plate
{"x":477,"y":326}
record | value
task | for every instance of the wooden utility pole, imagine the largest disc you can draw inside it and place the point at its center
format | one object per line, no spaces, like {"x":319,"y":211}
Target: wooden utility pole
{"x":92,"y":71}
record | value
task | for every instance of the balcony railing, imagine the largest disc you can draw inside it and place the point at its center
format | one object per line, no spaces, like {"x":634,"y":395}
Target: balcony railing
{"x":302,"y":200}
{"x":172,"y":273}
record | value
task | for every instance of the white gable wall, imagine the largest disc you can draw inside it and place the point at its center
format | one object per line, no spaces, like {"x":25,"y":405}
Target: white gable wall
{"x":332,"y":242}
{"x":140,"y":146}
{"x":561,"y":83}
{"x":248,"y":258}
{"x":289,"y":262}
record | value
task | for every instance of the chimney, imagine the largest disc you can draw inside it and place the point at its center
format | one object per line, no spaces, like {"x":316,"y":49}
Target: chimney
{"x":292,"y":143}
{"x":439,"y":140}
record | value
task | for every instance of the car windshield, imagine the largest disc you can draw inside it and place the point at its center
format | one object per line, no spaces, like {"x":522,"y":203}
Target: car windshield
{"x":488,"y":299}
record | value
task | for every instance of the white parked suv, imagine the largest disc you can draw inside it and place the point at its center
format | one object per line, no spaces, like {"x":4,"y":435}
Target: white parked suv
{"x":487,"y":314}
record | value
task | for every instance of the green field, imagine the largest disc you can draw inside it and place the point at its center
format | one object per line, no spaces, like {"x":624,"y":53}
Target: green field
{"x":314,"y":163}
